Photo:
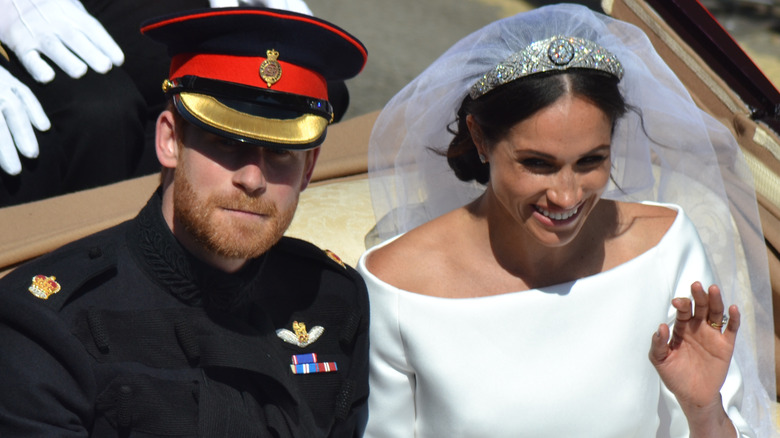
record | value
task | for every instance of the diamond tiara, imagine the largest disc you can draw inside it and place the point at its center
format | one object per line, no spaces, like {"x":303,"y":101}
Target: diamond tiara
{"x":556,"y":53}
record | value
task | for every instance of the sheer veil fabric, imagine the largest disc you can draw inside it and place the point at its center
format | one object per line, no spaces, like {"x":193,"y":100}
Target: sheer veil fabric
{"x":665,"y":150}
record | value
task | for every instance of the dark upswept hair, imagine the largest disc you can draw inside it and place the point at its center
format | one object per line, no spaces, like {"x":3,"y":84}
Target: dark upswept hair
{"x":503,"y":107}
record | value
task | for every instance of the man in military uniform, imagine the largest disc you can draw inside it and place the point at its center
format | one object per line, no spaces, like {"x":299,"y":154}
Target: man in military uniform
{"x":197,"y":318}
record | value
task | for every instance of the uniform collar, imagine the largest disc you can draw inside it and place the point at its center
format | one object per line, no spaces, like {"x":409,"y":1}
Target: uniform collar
{"x":187,"y":278}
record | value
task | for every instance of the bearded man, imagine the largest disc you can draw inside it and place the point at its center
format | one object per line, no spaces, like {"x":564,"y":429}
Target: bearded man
{"x":198,"y":318}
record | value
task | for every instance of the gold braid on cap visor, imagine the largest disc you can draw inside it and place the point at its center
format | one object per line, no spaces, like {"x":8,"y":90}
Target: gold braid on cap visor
{"x":301,"y":130}
{"x":556,"y":53}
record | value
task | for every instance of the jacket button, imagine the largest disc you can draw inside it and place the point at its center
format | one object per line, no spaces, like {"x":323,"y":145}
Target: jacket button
{"x":95,"y":252}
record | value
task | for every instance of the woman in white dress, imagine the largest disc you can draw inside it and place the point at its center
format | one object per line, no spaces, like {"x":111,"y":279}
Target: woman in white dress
{"x":529,"y":288}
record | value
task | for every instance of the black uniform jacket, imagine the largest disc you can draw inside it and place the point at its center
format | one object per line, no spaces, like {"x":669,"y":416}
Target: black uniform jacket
{"x":143,"y":340}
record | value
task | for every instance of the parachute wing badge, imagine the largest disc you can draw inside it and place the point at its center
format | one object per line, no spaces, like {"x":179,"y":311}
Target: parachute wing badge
{"x":300,"y":336}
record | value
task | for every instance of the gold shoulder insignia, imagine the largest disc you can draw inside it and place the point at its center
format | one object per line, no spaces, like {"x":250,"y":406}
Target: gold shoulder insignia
{"x":43,"y":287}
{"x":335,"y":258}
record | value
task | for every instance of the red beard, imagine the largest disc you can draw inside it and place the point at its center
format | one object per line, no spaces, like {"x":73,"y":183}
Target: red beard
{"x":236,"y":239}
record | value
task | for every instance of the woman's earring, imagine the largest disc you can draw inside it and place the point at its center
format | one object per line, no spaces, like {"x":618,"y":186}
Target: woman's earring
{"x":482,"y":159}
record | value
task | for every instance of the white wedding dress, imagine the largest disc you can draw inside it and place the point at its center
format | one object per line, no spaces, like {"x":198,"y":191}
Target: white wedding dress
{"x":569,"y":360}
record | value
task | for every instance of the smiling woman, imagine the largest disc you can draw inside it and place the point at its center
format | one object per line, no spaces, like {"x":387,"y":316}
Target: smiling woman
{"x":581,"y":176}
{"x":551,"y":175}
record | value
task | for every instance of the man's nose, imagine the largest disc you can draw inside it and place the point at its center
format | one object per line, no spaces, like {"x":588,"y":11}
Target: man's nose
{"x":250,"y":176}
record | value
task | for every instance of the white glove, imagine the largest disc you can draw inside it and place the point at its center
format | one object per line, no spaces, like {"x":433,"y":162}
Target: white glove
{"x":298,"y":6}
{"x":18,"y":109}
{"x":60,"y":29}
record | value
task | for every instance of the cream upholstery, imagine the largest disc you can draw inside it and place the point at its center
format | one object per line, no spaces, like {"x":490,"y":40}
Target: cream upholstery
{"x":335,"y":216}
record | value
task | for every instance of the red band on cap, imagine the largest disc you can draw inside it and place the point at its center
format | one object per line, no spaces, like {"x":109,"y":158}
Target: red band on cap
{"x":246,"y":70}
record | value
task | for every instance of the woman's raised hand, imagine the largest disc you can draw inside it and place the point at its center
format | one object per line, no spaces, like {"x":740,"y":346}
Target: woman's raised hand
{"x":694,"y":362}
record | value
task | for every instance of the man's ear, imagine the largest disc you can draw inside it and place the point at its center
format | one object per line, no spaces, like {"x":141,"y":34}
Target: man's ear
{"x":310,"y":161}
{"x":476,"y":134}
{"x":166,"y":145}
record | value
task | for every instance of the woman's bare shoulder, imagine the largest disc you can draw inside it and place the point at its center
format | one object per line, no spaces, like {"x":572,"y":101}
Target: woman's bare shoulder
{"x":656,"y":219}
{"x":642,"y":226}
{"x":408,"y":261}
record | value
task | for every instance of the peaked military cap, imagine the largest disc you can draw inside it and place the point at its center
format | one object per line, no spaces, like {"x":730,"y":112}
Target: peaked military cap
{"x":256,"y":75}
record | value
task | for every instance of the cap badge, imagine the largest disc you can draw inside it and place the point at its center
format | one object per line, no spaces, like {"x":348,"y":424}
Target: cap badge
{"x":270,"y":70}
{"x":300,"y":337}
{"x":43,"y":287}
